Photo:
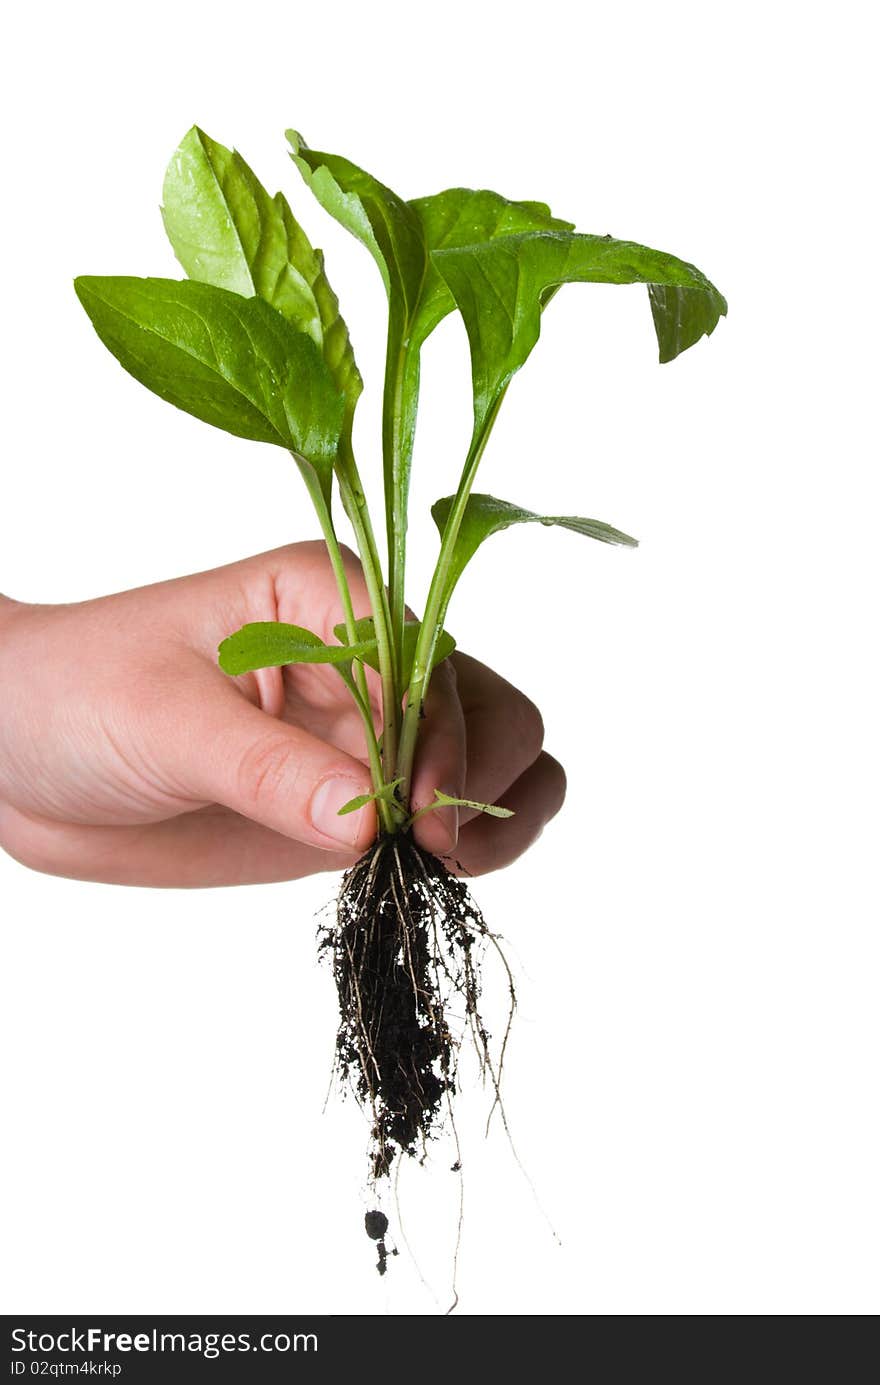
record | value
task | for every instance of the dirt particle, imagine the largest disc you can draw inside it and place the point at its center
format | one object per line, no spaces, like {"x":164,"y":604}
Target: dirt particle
{"x":376,"y":1224}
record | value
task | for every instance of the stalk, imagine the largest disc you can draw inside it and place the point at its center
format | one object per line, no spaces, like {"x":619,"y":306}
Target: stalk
{"x":357,"y":684}
{"x":354,"y":501}
{"x":439,"y":595}
{"x":397,"y":439}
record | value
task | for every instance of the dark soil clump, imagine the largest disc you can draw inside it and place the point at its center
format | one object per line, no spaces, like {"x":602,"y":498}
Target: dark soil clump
{"x":376,"y":1226}
{"x":406,"y":950}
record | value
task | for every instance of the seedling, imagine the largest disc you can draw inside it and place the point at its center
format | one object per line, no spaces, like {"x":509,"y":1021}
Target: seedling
{"x":253,"y":342}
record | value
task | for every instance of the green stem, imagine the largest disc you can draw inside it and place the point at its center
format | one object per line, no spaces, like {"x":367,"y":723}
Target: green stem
{"x":355,"y":504}
{"x":398,"y":413}
{"x":439,"y":595}
{"x":362,"y":701}
{"x":356,"y":685}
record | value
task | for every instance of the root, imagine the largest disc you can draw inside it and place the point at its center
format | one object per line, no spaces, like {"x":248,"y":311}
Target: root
{"x":407,"y":948}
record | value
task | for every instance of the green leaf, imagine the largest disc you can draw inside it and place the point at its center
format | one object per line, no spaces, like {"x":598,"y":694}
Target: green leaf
{"x":364,"y":630}
{"x":463,"y":216}
{"x":392,"y":232}
{"x":231,"y":361}
{"x":386,"y":793}
{"x":270,"y":643}
{"x":484,"y":515}
{"x":401,"y":236}
{"x":381,"y":220}
{"x":443,"y":800}
{"x":501,"y":285}
{"x":227,"y":230}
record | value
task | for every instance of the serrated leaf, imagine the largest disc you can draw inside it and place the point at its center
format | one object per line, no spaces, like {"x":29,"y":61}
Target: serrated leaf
{"x":365,"y":630}
{"x":228,"y":231}
{"x":231,"y":361}
{"x":485,"y":515}
{"x":270,"y":643}
{"x":362,"y":799}
{"x":500,"y":286}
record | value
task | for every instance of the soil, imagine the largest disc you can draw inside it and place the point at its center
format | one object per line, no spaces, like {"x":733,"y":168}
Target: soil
{"x":376,"y":1227}
{"x":406,"y":950}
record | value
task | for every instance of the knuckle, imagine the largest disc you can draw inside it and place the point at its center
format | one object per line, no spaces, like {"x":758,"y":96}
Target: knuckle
{"x":444,"y":685}
{"x":527,"y":727}
{"x":557,"y":785}
{"x":268,"y":767}
{"x":300,"y":548}
{"x":284,"y":560}
{"x":349,"y":557}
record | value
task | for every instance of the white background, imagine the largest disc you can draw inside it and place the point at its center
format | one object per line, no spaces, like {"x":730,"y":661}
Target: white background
{"x":693,"y":1080}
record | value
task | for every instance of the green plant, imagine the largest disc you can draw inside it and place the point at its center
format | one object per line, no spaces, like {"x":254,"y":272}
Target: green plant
{"x":253,"y":342}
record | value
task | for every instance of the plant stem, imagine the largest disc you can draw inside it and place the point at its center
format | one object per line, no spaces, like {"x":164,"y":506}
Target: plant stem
{"x":398,"y":428}
{"x":437,"y":602}
{"x":357,"y":685}
{"x":354,"y":501}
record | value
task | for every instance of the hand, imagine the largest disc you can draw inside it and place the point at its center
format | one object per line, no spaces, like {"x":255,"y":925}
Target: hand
{"x":127,"y":756}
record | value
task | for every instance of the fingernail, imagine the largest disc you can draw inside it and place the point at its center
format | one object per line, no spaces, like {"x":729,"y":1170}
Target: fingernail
{"x":328,"y":798}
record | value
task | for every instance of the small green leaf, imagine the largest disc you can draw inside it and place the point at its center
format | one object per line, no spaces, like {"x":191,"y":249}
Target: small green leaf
{"x":231,"y":361}
{"x":485,"y":515}
{"x":227,"y":230}
{"x":500,"y":287}
{"x":365,"y":630}
{"x":386,"y":793}
{"x":269,"y":643}
{"x":443,"y":800}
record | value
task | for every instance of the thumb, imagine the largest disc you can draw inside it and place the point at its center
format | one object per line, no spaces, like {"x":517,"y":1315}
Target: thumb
{"x":279,"y":775}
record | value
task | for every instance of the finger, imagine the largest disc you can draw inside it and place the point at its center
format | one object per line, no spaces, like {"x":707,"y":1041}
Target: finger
{"x":488,"y":843}
{"x":207,"y":848}
{"x":306,"y":589}
{"x":504,"y":730}
{"x":440,"y":761}
{"x":295,"y":584}
{"x":275,"y":773}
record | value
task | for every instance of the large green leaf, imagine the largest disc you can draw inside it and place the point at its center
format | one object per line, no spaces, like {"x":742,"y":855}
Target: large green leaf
{"x":227,"y":230}
{"x":372,"y":212}
{"x":500,"y":286}
{"x":401,"y":236}
{"x":364,"y":630}
{"x":270,"y":643}
{"x":392,"y":232}
{"x":464,"y":216}
{"x":485,"y":515}
{"x":232,"y":361}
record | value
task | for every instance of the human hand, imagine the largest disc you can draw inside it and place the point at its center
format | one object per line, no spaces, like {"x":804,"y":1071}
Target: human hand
{"x":128,"y":756}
